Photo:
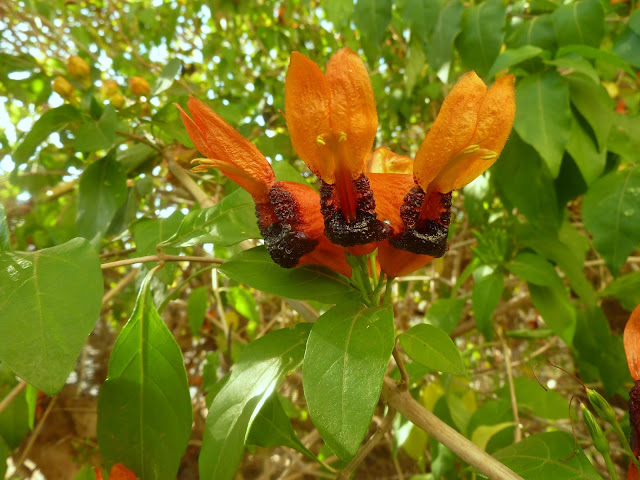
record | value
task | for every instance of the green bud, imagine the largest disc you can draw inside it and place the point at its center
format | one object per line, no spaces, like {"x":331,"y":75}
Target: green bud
{"x":599,"y":440}
{"x":601,"y":406}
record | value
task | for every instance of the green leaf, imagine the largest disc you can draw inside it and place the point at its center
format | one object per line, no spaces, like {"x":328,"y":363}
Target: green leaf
{"x":432,"y":347}
{"x":166,"y":77}
{"x":512,"y":57}
{"x":338,"y":12}
{"x":627,"y":47}
{"x":582,"y":148}
{"x":520,"y":171}
{"x":415,"y":63}
{"x":535,"y":269}
{"x":347,"y":355}
{"x":576,"y":64}
{"x":594,"y":104}
{"x":255,"y":268}
{"x":197,"y":308}
{"x":532,"y":398}
{"x":51,"y":121}
{"x":100,"y":135}
{"x":14,"y":419}
{"x":5,"y":235}
{"x":596,"y":54}
{"x":579,"y":23}
{"x":485,"y":297}
{"x":548,"y":455}
{"x":31,"y":396}
{"x":262,"y":366}
{"x":611,"y":213}
{"x":626,"y":289}
{"x":51,"y":301}
{"x":144,"y":406}
{"x":624,"y":137}
{"x":4,"y":454}
{"x":243,"y":302}
{"x":227,"y":223}
{"x":371,"y":18}
{"x":481,"y":36}
{"x":447,"y":28}
{"x":445,"y":313}
{"x":543,"y":116}
{"x":421,"y":16}
{"x":102,"y":191}
{"x":538,"y":31}
{"x":272,"y":428}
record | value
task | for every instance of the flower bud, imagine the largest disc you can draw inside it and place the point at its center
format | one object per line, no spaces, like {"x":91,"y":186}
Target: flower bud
{"x":601,"y":406}
{"x":117,"y":100}
{"x":139,"y":86}
{"x":108,"y":89}
{"x":599,"y":440}
{"x":62,"y":87}
{"x":78,"y":68}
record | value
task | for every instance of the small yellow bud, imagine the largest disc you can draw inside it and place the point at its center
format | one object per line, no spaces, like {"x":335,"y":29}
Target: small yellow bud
{"x":117,"y":100}
{"x":108,"y":89}
{"x":62,"y":87}
{"x":139,"y":86}
{"x":78,"y":68}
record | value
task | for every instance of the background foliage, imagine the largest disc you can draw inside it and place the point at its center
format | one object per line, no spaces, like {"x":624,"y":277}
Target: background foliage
{"x":543,"y":263}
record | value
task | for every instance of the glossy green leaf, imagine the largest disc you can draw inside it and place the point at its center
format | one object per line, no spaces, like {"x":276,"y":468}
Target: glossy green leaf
{"x":31,"y":397}
{"x":611,"y":213}
{"x":512,"y":57}
{"x":262,"y":366}
{"x":51,"y":301}
{"x":627,"y":47}
{"x":594,"y":104}
{"x":626,"y":289}
{"x":347,"y":355}
{"x":415,"y":63}
{"x":371,"y":18}
{"x":5,"y":236}
{"x":255,"y":268}
{"x":548,"y":455}
{"x":481,"y":36}
{"x":338,"y":12}
{"x":272,"y":428}
{"x":624,"y":137}
{"x":447,"y":28}
{"x":543,"y":116}
{"x":197,"y":308}
{"x":538,"y":31}
{"x":144,"y":406}
{"x":596,"y":54}
{"x":102,"y":191}
{"x":243,"y":302}
{"x":421,"y":16}
{"x":532,"y":398}
{"x":14,"y":419}
{"x":535,"y":269}
{"x":166,"y":77}
{"x":432,"y":347}
{"x":51,"y":121}
{"x":576,"y":64}
{"x":584,"y":151}
{"x":98,"y":135}
{"x":485,"y":297}
{"x":556,"y":310}
{"x":579,"y":23}
{"x":227,"y":223}
{"x":445,"y":313}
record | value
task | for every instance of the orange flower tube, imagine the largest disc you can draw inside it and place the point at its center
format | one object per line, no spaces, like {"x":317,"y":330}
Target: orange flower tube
{"x":631,"y":339}
{"x":332,"y":121}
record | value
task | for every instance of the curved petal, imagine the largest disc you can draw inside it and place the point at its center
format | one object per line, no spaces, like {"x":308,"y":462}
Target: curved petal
{"x":632,"y":343}
{"x":389,"y":190}
{"x":396,"y":263}
{"x":352,"y":111}
{"x":234,"y":155}
{"x":452,"y":131}
{"x":383,"y":160}
{"x":307,"y":103}
{"x":495,"y":119}
{"x":328,"y":255}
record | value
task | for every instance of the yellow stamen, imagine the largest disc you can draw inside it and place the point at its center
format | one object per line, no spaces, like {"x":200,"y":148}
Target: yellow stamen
{"x":320,"y":140}
{"x":343,"y":137}
{"x":471,"y":149}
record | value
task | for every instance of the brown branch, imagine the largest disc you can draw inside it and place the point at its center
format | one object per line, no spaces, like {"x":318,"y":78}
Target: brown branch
{"x":6,"y":401}
{"x":192,"y":187}
{"x":36,"y":432}
{"x":119,"y":286}
{"x":401,"y":367}
{"x":405,"y":404}
{"x":161,"y":258}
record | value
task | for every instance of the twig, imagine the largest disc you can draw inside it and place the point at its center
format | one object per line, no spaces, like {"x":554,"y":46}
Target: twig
{"x":119,"y":286}
{"x":368,"y":446}
{"x":158,"y":258}
{"x":517,"y":433}
{"x":140,"y":139}
{"x":6,"y":401}
{"x":192,"y":187}
{"x":36,"y":432}
{"x":403,"y":371}
{"x":405,"y":404}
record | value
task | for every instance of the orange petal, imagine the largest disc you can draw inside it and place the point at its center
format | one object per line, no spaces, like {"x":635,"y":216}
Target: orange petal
{"x":120,"y":472}
{"x":632,"y":343}
{"x":389,"y":190}
{"x":353,"y":109}
{"x":495,"y":119}
{"x":328,"y":255}
{"x":222,"y":144}
{"x":633,"y":472}
{"x":98,"y":473}
{"x":452,"y":131}
{"x":383,"y":160}
{"x":308,"y":217}
{"x":396,"y":263}
{"x":307,"y":103}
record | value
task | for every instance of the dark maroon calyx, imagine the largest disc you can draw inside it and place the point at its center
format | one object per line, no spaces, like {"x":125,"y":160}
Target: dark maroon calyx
{"x":634,"y":415}
{"x":364,"y":228}
{"x":426,"y":227}
{"x":280,"y":228}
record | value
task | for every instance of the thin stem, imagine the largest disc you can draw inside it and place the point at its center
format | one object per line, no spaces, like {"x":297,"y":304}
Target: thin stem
{"x":161,"y":258}
{"x":176,"y":290}
{"x":6,"y":401}
{"x":405,"y":404}
{"x":387,"y":292}
{"x":403,"y":371}
{"x":610,"y":467}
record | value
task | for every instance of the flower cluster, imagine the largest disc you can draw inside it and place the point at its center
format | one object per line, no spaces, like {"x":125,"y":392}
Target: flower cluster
{"x":368,"y":199}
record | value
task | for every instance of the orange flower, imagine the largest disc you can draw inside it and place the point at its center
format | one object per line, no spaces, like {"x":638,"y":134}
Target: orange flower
{"x":332,"y":121}
{"x":288,"y":213}
{"x":631,"y":341}
{"x":118,"y":472}
{"x":466,"y":139}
